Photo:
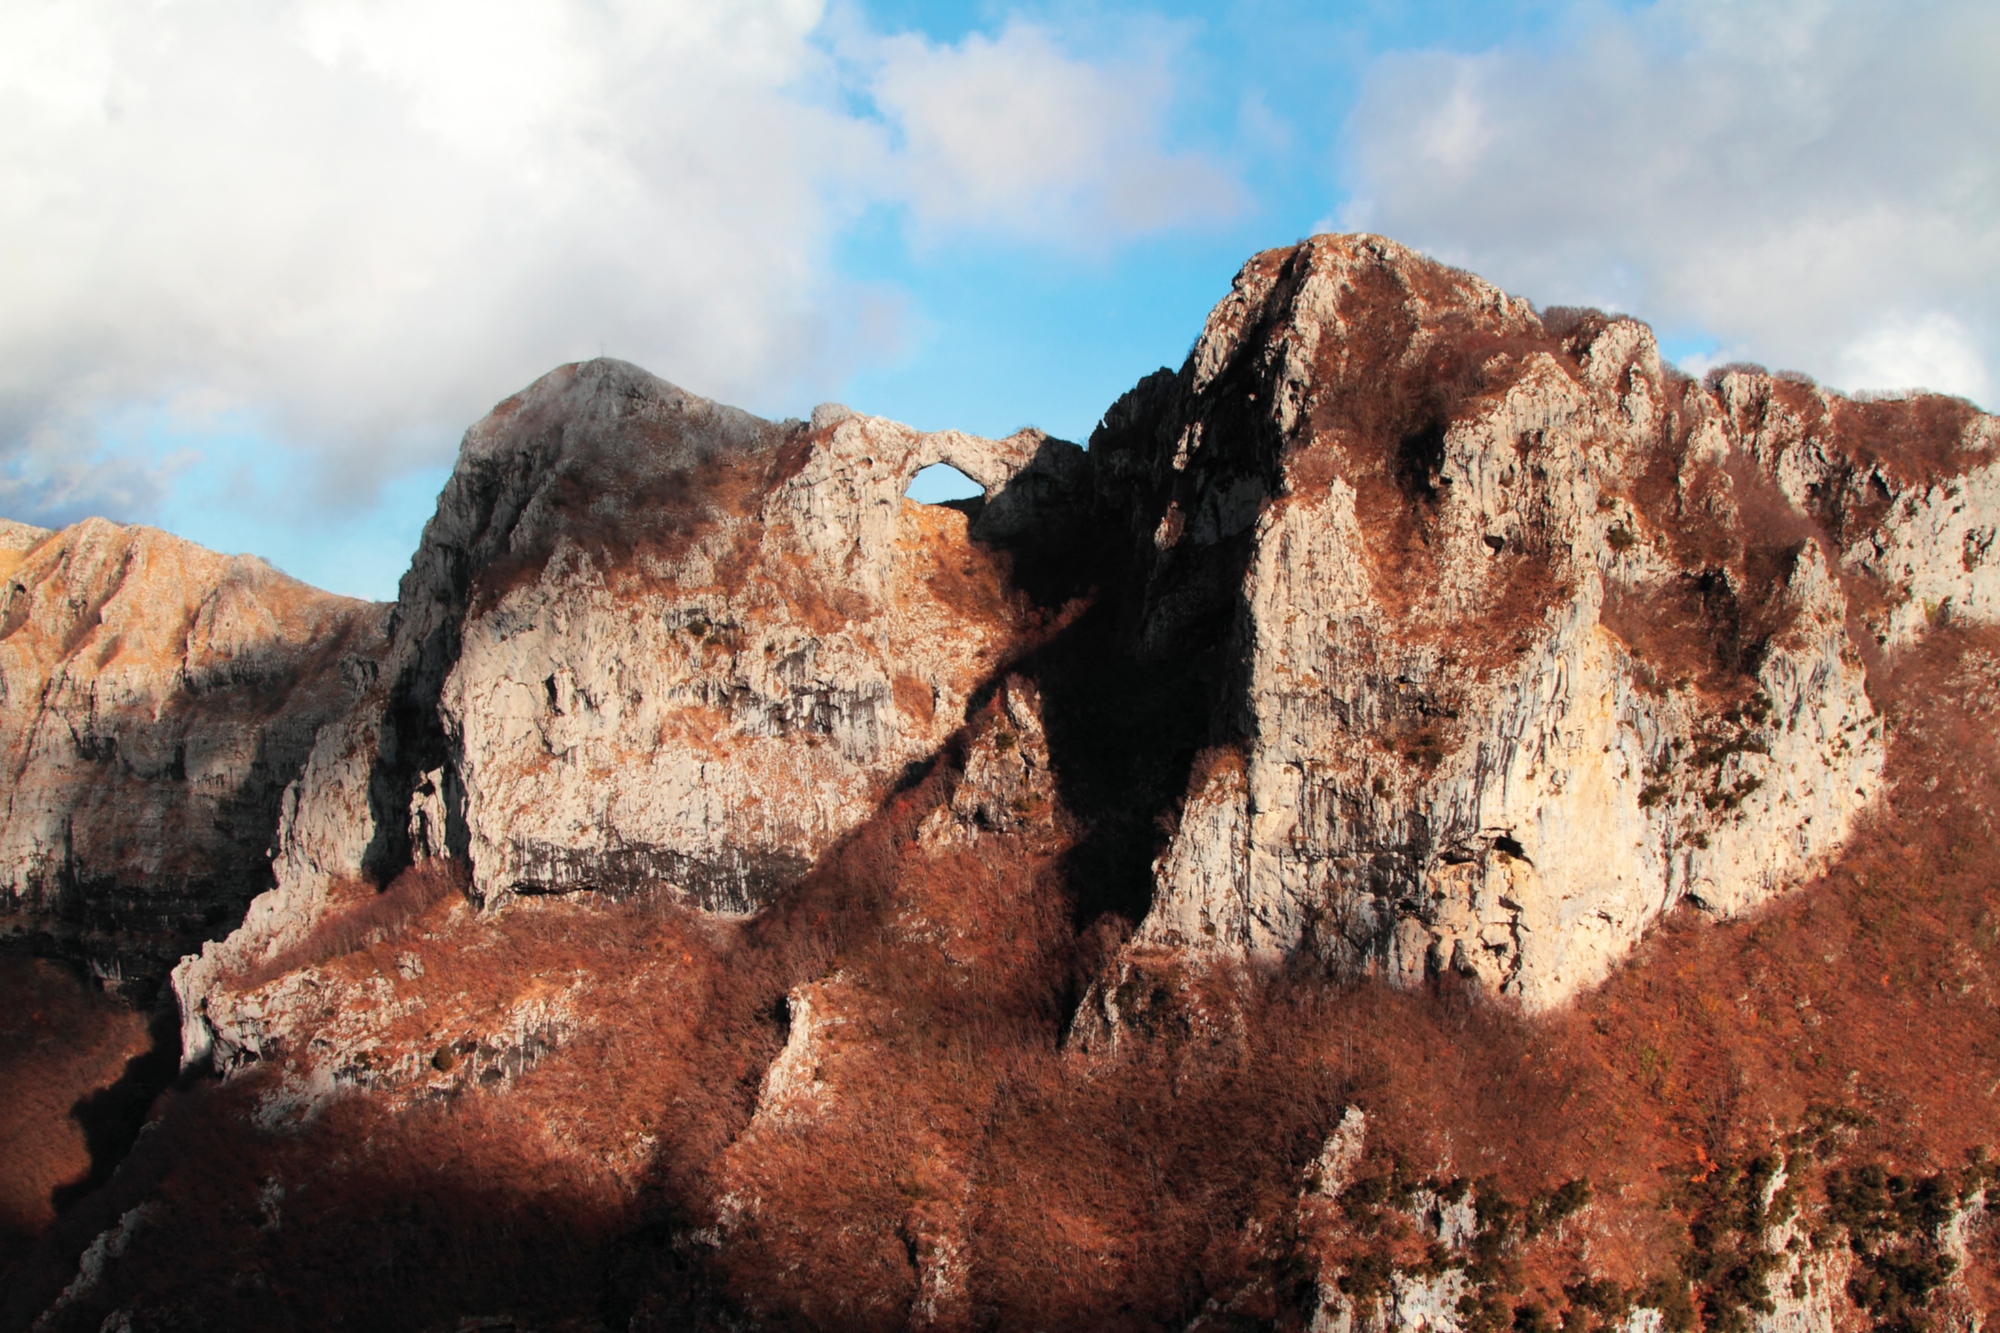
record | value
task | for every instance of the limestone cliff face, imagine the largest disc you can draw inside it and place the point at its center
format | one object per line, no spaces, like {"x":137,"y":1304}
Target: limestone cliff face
{"x":1526,"y":637}
{"x":649,"y":642}
{"x":1535,"y":637}
{"x":1906,"y":491}
{"x":155,"y":701}
{"x":726,"y":654}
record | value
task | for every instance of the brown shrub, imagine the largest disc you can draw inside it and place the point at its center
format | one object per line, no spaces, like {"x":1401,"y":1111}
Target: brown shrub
{"x":1384,"y":415}
{"x":62,"y":1039}
{"x":366,"y":916}
{"x":1917,"y":440}
{"x":638,"y":496}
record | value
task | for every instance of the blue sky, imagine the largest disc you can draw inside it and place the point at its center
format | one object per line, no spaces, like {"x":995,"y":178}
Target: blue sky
{"x":266,"y":263}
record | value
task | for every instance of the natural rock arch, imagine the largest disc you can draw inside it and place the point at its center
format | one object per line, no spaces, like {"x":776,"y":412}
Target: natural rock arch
{"x":941,"y":483}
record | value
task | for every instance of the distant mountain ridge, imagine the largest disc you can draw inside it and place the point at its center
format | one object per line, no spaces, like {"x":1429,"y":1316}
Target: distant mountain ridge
{"x":156,"y":700}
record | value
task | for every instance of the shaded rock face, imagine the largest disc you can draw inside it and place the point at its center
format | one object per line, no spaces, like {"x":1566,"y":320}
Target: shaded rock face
{"x":155,"y":701}
{"x":1532,"y":637}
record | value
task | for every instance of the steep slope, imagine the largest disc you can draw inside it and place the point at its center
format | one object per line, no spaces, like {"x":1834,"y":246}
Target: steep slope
{"x":155,"y":701}
{"x":855,"y":1110}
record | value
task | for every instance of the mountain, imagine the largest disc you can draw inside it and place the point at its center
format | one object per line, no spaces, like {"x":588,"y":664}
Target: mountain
{"x":156,"y":700}
{"x":1435,"y":819}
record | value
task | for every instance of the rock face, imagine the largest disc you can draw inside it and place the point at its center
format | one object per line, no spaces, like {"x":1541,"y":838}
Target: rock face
{"x":653,"y":643}
{"x":1528,"y":637}
{"x":1525,"y":637}
{"x":368,"y":1012}
{"x":155,"y":701}
{"x":1533,"y":636}
{"x":659,"y":641}
{"x":725,"y":638}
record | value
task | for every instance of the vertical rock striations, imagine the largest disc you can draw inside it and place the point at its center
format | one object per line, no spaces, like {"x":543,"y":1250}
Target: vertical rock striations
{"x":1533,"y":636}
{"x":649,"y":642}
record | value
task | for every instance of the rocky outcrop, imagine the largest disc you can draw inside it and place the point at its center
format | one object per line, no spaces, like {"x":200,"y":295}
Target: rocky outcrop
{"x":383,"y":1019}
{"x":1008,"y":784}
{"x":1873,"y":1248}
{"x":1905,"y":490}
{"x":1534,"y":637}
{"x":1523,"y":637}
{"x":714,"y":707}
{"x":651,"y":643}
{"x":649,"y":640}
{"x":156,"y":699}
{"x":793,"y":1087}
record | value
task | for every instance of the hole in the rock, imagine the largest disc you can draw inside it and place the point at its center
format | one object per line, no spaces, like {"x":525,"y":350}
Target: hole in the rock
{"x":941,"y":483}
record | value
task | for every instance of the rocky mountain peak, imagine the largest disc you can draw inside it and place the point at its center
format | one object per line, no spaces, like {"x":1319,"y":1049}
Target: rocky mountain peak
{"x":1502,"y":584}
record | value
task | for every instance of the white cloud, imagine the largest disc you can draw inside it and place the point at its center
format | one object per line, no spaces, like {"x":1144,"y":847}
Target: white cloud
{"x":1817,"y":183}
{"x":1009,"y":134}
{"x":1931,"y":351}
{"x":360,"y":222}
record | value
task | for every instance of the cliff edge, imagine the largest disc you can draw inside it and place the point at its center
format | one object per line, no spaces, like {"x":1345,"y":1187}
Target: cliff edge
{"x":1532,"y":636}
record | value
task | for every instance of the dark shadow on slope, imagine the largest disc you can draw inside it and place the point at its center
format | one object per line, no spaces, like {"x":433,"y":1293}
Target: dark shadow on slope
{"x":112,"y":1117}
{"x":1122,"y":735}
{"x":445,"y":1212}
{"x":1123,"y":728}
{"x":1152,"y":674}
{"x":1180,"y":1142}
{"x":134,"y":935}
{"x":403,"y":1237}
{"x":132,"y":924}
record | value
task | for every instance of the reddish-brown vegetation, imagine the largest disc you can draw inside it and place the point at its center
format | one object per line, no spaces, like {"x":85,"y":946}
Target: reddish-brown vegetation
{"x":1388,"y":390}
{"x":362,"y":915}
{"x":948,"y":1149}
{"x":670,"y":478}
{"x":61,"y":1039}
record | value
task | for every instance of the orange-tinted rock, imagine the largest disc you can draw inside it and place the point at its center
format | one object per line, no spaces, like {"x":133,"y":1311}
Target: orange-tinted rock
{"x":155,"y":701}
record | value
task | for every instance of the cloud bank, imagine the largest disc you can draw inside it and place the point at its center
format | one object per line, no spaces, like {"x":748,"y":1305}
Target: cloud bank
{"x":1816,"y":185}
{"x":354,"y":224}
